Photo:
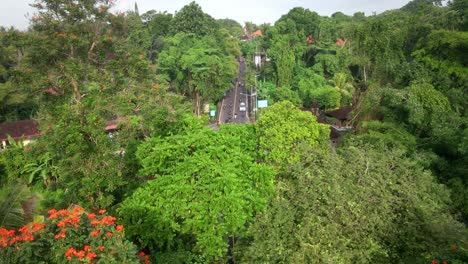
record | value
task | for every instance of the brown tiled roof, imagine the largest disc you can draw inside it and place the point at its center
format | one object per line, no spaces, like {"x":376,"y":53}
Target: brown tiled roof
{"x":257,"y":33}
{"x":341,"y":113}
{"x":18,"y":129}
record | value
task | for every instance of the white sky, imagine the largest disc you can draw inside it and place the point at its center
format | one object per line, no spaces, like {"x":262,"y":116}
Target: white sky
{"x":15,"y":12}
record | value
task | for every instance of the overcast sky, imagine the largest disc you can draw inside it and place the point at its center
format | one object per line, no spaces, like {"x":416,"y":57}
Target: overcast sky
{"x":15,"y":12}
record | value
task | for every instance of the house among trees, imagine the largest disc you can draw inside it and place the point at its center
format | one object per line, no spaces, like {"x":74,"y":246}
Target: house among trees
{"x":257,"y":33}
{"x":28,"y":129}
{"x":24,"y":129}
{"x":112,"y":125}
{"x":343,"y":116}
{"x":250,"y":35}
{"x":336,"y":129}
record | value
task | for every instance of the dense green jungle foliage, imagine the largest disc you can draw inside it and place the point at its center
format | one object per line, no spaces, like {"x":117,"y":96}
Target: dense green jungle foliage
{"x":394,"y":190}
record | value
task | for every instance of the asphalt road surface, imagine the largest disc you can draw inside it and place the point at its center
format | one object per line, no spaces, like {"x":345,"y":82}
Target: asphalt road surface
{"x":229,"y":112}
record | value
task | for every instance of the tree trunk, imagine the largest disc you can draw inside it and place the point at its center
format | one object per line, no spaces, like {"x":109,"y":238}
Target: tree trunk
{"x":76,"y":90}
{"x":197,"y":97}
{"x":365,"y":74}
{"x":19,"y":57}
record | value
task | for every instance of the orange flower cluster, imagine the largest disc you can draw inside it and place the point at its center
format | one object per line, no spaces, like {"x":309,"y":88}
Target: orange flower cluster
{"x":85,"y":253}
{"x":69,"y":217}
{"x":119,"y":228}
{"x":8,"y":237}
{"x":104,"y":235}
{"x":53,"y":214}
{"x":105,"y":221}
{"x":145,"y":257}
{"x":95,"y":232}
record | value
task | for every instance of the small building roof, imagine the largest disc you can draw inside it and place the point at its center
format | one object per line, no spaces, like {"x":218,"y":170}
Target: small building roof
{"x":19,"y":129}
{"x":341,"y":113}
{"x":257,"y":33}
{"x":340,"y":42}
{"x":113,"y":124}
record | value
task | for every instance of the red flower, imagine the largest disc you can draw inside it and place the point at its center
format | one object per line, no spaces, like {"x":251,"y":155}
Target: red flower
{"x":119,"y":228}
{"x":52,"y":211}
{"x":101,"y":248}
{"x":62,"y":223}
{"x":91,"y":216}
{"x":74,"y":220}
{"x":91,"y":255}
{"x":435,"y":261}
{"x":95,"y":232}
{"x":63,"y":212}
{"x":3,"y":241}
{"x":142,"y":254}
{"x":36,"y":226}
{"x":28,"y":238}
{"x":6,"y":232}
{"x":24,"y":229}
{"x":60,"y":235}
{"x":69,"y":253}
{"x":77,"y":209}
{"x":53,"y":216}
{"x":102,"y":211}
{"x":108,"y":220}
{"x":109,"y":234}
{"x":79,"y":254}
{"x":15,"y":239}
{"x":87,"y":248}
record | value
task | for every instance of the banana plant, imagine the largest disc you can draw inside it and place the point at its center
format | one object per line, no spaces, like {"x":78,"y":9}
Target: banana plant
{"x":43,"y":169}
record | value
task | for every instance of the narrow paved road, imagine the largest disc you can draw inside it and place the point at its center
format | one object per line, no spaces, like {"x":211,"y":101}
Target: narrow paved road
{"x":230,"y":106}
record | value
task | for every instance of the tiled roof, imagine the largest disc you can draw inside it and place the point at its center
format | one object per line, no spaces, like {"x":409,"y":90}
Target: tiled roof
{"x":257,"y":33}
{"x":341,"y":113}
{"x":113,"y":124}
{"x":18,"y":129}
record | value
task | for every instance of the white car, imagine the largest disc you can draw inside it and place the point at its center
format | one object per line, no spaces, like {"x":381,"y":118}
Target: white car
{"x":242,"y":107}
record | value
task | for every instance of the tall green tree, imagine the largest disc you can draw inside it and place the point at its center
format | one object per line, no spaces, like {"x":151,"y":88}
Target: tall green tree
{"x":205,"y":190}
{"x":192,"y":19}
{"x":198,"y":68}
{"x":362,"y":205}
{"x":282,"y":128}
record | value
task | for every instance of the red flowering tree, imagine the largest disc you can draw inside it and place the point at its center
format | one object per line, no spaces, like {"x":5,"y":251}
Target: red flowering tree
{"x":73,"y":236}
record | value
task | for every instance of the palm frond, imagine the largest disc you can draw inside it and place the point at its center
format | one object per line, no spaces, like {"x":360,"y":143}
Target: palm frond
{"x":12,"y":214}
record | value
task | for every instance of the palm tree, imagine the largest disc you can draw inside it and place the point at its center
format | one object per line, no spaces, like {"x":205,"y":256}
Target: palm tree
{"x":17,"y":206}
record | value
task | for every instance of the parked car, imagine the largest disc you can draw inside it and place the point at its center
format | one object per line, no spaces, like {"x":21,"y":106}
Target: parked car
{"x":242,"y":107}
